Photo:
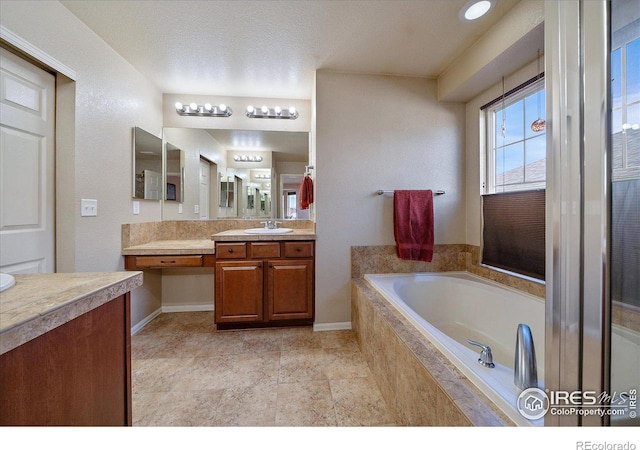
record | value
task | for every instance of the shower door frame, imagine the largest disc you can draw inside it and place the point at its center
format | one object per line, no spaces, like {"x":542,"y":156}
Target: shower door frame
{"x":578,"y":200}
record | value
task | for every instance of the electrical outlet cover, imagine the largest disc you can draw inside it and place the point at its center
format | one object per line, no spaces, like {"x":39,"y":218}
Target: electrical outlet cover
{"x":88,"y":207}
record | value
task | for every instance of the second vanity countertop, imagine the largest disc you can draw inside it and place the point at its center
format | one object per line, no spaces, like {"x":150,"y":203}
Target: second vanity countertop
{"x":240,"y":235}
{"x":172,"y":247}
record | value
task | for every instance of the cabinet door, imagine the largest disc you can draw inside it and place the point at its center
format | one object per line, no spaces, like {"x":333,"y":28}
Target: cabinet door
{"x":290,"y":289}
{"x":239,"y":291}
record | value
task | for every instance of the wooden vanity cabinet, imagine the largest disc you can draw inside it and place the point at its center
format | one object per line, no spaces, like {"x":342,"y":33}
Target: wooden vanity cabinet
{"x":264,"y":283}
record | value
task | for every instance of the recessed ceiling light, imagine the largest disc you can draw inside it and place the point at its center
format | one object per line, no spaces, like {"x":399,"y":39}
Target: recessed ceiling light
{"x":474,"y":9}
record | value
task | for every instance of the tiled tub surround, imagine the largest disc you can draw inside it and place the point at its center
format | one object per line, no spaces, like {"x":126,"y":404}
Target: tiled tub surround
{"x":446,"y":258}
{"x":418,"y":382}
{"x":463,"y":257}
{"x":420,"y":385}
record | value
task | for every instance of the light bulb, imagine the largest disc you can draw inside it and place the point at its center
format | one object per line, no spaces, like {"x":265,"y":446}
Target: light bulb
{"x":278,"y":110}
{"x":207,"y":106}
{"x":193,"y":106}
{"x":236,"y":158}
{"x":250,"y":109}
{"x":179,"y":106}
{"x":222,"y":107}
{"x":477,"y":10}
{"x":264,"y":110}
{"x":292,"y":111}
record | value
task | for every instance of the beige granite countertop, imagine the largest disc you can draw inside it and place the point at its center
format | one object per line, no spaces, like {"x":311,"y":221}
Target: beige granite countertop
{"x":240,"y":235}
{"x":38,"y":303}
{"x":173,"y":247}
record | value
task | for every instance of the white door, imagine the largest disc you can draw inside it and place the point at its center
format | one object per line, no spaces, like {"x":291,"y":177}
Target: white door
{"x":204,"y":189}
{"x":152,"y":185}
{"x":27,"y":189}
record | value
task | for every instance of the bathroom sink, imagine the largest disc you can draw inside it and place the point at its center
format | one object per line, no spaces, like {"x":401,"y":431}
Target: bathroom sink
{"x":268,"y":230}
{"x":6,"y":281}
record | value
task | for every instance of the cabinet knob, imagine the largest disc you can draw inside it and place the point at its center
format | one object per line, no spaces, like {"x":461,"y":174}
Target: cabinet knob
{"x":299,"y":249}
{"x":230,"y":250}
{"x":270,"y":266}
{"x":259,"y":265}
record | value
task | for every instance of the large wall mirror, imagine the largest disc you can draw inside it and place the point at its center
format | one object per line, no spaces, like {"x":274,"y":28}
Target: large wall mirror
{"x":147,"y":165}
{"x":243,"y":174}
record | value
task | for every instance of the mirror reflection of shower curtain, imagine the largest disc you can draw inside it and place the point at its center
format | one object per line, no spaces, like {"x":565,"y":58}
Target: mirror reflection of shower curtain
{"x":625,"y":201}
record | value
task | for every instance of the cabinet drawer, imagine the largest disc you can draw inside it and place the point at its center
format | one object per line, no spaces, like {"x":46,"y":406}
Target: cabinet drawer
{"x":298,"y":249}
{"x":148,"y":262}
{"x":231,"y":250}
{"x":264,"y":250}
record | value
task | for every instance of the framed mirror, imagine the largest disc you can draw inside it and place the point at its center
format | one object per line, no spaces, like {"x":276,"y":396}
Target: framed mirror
{"x":147,"y":165}
{"x":175,"y":163}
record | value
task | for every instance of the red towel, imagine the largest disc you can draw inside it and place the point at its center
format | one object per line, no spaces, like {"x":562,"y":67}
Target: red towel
{"x":306,"y":192}
{"x":413,"y":225}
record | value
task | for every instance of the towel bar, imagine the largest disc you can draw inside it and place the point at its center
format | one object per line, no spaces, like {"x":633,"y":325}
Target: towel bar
{"x":380,"y":192}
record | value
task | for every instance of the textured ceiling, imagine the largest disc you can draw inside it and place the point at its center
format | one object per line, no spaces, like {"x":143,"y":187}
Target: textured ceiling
{"x":272,"y":48}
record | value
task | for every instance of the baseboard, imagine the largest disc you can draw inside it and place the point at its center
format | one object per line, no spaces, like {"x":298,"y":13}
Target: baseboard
{"x":140,"y":325}
{"x":186,"y":308}
{"x":332,"y":326}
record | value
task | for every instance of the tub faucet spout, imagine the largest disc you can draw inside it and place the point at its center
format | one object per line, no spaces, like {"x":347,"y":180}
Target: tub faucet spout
{"x":525,"y":374}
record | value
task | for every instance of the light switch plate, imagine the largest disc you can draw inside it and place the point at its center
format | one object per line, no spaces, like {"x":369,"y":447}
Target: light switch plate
{"x":136,"y":207}
{"x":179,"y":208}
{"x":88,"y":207}
{"x":196,"y":209}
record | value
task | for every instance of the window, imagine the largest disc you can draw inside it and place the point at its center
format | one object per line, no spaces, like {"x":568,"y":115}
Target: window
{"x":516,"y":155}
{"x":513,"y":207}
{"x":625,"y":140}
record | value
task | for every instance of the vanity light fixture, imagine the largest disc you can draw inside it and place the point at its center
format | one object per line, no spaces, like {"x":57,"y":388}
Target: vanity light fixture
{"x":245,"y":158}
{"x":474,"y":9}
{"x":262,"y":176}
{"x":276,"y":112}
{"x":206,"y":110}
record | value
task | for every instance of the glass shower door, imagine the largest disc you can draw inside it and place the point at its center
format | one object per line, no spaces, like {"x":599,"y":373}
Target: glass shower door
{"x":625,"y":209}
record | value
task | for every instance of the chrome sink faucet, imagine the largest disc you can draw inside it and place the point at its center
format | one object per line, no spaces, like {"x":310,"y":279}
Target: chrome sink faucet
{"x":271,"y":224}
{"x":525,"y":373}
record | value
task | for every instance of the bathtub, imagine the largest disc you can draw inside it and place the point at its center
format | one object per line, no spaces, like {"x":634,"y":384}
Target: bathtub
{"x":449,"y":308}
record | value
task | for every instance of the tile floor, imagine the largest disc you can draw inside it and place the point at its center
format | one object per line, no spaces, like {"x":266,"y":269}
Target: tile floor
{"x":185,"y":373}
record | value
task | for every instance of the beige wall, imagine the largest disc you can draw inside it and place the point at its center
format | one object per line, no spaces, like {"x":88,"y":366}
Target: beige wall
{"x":379,"y":132}
{"x":111,"y":98}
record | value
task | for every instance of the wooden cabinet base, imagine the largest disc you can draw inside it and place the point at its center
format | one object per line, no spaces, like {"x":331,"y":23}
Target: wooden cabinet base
{"x":270,"y":324}
{"x":264,"y":284}
{"x":76,"y":374}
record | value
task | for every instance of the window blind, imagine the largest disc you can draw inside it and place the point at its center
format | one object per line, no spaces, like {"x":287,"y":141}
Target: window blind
{"x":514,"y":232}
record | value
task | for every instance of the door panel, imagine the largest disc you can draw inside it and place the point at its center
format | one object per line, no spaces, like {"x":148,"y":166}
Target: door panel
{"x":290,"y":290}
{"x":238,"y":296}
{"x":27,"y":195}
